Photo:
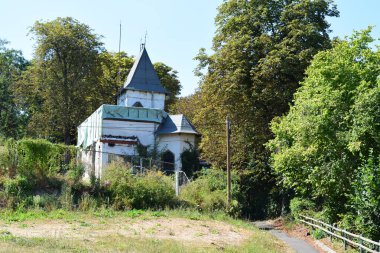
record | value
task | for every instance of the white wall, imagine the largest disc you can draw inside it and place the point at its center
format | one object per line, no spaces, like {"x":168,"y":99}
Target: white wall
{"x":176,"y":143}
{"x":143,"y":130}
{"x":147,"y":99}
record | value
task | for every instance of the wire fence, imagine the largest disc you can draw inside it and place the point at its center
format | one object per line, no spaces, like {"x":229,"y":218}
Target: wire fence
{"x":357,"y":241}
{"x":140,"y":166}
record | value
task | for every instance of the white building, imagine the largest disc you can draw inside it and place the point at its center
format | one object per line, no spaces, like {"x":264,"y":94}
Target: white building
{"x":138,"y":120}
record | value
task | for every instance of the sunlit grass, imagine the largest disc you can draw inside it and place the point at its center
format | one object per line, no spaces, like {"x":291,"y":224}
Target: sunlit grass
{"x":259,"y":241}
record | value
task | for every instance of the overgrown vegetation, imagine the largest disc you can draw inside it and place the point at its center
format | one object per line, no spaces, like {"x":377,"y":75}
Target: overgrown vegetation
{"x":327,"y":147}
{"x":323,"y":125}
{"x":261,"y":50}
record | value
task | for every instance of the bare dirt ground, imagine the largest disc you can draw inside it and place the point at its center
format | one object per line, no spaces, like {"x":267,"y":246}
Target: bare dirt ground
{"x":184,"y":230}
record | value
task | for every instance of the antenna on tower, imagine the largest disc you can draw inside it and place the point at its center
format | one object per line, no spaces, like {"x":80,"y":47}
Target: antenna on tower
{"x":146,"y":34}
{"x":120,"y":37}
{"x":119,"y":67}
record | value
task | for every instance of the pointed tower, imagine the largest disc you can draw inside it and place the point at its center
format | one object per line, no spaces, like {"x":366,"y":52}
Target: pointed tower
{"x":142,"y":87}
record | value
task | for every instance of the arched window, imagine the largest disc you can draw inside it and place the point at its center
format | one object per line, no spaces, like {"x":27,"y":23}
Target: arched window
{"x":137,"y":104}
{"x":167,"y":159}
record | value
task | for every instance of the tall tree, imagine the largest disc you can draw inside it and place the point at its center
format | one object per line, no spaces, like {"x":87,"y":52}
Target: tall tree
{"x":262,"y":48}
{"x":62,"y":77}
{"x":322,"y":145}
{"x":12,"y":118}
{"x":115,"y":68}
{"x":169,"y":80}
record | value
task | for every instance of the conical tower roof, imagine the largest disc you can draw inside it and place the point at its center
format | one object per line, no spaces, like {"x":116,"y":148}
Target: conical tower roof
{"x":142,"y":76}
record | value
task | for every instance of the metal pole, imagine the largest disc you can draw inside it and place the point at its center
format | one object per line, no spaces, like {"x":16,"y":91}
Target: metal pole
{"x":361,"y":243}
{"x":228,"y":132}
{"x":141,"y":166}
{"x":176,"y":182}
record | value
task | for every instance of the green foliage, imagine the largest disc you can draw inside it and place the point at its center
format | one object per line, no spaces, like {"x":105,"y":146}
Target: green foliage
{"x":327,"y":147}
{"x":190,"y":160}
{"x":208,"y":192}
{"x":153,"y":190}
{"x":169,"y":80}
{"x":318,"y":234}
{"x":8,"y":158}
{"x":18,"y":186}
{"x":13,"y":121}
{"x":75,"y":173}
{"x":365,"y":198}
{"x":262,"y":49}
{"x":300,"y":206}
{"x":114,"y":70}
{"x":318,"y":144}
{"x":58,"y":88}
{"x":38,"y":159}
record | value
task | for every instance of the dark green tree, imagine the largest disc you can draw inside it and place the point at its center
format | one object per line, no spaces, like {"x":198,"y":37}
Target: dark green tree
{"x":62,"y":81}
{"x":262,"y":48}
{"x":115,"y":68}
{"x":169,"y":80}
{"x":333,"y":127}
{"x":12,"y":118}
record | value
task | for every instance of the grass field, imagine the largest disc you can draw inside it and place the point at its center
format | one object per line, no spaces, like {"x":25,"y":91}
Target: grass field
{"x":131,"y":231}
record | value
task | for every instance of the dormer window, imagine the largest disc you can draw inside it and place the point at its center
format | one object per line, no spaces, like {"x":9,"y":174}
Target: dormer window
{"x":137,"y":104}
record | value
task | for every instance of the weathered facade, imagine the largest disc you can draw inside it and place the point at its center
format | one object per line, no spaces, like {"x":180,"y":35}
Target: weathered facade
{"x":138,"y":120}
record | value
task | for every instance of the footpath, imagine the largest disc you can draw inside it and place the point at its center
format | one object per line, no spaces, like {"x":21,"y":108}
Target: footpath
{"x":298,"y":245}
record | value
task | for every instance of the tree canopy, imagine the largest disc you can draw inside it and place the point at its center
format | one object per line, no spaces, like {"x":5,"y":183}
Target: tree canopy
{"x":12,"y":119}
{"x":323,"y":145}
{"x":261,"y":50}
{"x":62,"y":77}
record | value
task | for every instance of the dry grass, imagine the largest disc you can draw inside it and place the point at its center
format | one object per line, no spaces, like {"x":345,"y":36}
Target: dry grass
{"x":123,"y":232}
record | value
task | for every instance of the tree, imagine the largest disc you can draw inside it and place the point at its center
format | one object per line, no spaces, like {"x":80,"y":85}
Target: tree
{"x":169,"y":80}
{"x":333,"y":125}
{"x":12,"y":119}
{"x":262,"y":49}
{"x":62,"y":80}
{"x":115,"y":68}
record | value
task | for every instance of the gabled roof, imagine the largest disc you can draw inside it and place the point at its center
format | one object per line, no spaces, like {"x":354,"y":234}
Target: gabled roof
{"x":142,"y":76}
{"x":176,"y":124}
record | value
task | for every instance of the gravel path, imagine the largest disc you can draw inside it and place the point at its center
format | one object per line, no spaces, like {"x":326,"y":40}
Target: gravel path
{"x":297,"y":245}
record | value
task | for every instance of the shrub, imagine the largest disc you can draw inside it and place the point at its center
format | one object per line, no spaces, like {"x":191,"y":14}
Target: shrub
{"x":75,"y":173}
{"x":365,"y":200}
{"x":38,"y":159}
{"x":208,"y":192}
{"x":299,"y":206}
{"x":190,"y":160}
{"x":18,"y":186}
{"x":318,"y":234}
{"x":153,"y":190}
{"x":47,"y":202}
{"x":8,"y":157}
{"x":87,"y":202}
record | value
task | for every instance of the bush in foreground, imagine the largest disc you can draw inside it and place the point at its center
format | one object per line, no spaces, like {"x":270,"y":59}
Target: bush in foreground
{"x":151,"y":191}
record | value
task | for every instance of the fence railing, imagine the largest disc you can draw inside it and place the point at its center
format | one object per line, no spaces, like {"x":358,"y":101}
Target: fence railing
{"x":141,"y":165}
{"x":357,"y":241}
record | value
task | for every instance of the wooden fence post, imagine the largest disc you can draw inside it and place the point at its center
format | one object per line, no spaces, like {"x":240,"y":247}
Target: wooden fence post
{"x":361,"y":243}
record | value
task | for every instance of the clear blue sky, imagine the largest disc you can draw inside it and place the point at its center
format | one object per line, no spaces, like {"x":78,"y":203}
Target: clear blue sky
{"x":176,"y":28}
